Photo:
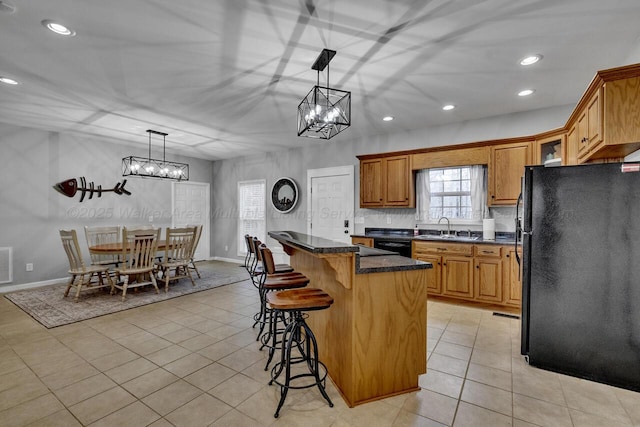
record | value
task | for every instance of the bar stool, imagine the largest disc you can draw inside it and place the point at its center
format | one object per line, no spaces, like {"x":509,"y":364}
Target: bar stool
{"x":274,"y":282}
{"x":296,"y":303}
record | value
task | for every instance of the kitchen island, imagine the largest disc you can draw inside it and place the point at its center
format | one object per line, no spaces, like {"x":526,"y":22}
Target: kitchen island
{"x":373,"y":339}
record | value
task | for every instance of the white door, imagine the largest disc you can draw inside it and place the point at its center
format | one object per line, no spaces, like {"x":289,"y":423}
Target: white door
{"x":330,"y":191}
{"x":190,"y":206}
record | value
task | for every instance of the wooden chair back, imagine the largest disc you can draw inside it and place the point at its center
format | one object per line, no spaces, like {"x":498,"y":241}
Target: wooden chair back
{"x":179,"y":244}
{"x":99,"y":236}
{"x":197,"y":232}
{"x":266,"y":257}
{"x":139,"y":248}
{"x":72,"y":249}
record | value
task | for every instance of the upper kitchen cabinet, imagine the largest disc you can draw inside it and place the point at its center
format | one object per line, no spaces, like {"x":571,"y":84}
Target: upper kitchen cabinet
{"x":386,"y":182}
{"x":606,"y":122}
{"x":549,"y":148}
{"x":506,"y":166}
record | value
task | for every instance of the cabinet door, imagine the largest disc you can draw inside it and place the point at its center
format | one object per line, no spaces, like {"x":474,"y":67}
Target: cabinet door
{"x":397,"y":181}
{"x":513,"y":280}
{"x":457,"y":276}
{"x":582,"y":126}
{"x":434,"y":283}
{"x":572,"y":146}
{"x":487,"y":280}
{"x":594,"y":120}
{"x":371,"y":183}
{"x":505,"y":172}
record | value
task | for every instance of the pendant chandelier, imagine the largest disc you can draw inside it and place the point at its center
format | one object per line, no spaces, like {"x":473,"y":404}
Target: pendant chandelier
{"x":324,"y":112}
{"x":153,"y":168}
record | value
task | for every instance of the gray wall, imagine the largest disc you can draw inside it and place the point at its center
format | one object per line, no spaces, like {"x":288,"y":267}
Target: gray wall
{"x":32,"y":212}
{"x":341,"y":151}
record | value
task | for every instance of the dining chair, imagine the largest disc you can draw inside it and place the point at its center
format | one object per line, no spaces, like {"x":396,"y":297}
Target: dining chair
{"x":99,"y":236}
{"x":177,"y":255}
{"x":137,"y":267}
{"x":194,"y":246}
{"x":82,"y":276}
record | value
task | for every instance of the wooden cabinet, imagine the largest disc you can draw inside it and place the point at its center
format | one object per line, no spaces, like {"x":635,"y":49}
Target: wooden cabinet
{"x":483,"y":273}
{"x":571,"y":151}
{"x":386,"y":182}
{"x":589,"y":125}
{"x":550,"y":147}
{"x":457,"y":276}
{"x":364,"y":241}
{"x":607,"y":118}
{"x":452,"y":272}
{"x":371,"y":183}
{"x":512,"y":278}
{"x":506,"y":166}
{"x":487,"y":278}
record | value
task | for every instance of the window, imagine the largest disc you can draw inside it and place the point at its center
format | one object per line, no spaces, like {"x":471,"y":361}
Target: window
{"x":251,"y":212}
{"x":457,"y":193}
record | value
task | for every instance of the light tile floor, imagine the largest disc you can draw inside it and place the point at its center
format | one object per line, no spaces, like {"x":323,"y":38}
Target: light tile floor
{"x":194,"y":361}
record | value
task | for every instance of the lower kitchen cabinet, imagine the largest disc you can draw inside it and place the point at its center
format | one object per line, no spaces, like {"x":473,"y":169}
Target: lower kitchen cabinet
{"x":512,"y":279}
{"x":457,"y":276}
{"x":487,"y":278}
{"x":483,"y":273}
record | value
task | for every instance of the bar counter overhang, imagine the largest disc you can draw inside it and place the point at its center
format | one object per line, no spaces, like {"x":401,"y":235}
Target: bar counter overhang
{"x":373,"y":339}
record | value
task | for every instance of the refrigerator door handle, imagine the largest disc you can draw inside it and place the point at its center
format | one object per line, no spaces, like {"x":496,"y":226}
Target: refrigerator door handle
{"x":518,"y":231}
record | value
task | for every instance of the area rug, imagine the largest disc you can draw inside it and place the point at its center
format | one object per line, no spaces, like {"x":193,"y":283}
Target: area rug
{"x":48,"y":306}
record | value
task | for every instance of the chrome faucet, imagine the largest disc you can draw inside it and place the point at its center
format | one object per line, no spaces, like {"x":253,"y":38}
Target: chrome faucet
{"x":448,"y":224}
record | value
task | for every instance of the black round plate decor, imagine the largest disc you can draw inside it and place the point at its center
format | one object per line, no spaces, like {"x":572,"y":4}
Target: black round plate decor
{"x":284,"y":195}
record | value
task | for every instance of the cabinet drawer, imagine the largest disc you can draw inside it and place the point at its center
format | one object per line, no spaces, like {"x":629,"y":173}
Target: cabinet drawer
{"x":488,"y":251}
{"x":444,"y":248}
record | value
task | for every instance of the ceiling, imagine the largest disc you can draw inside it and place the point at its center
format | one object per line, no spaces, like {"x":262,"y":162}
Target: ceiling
{"x":224,"y":77}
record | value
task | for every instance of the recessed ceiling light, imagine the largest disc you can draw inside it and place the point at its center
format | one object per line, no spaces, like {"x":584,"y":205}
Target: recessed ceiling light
{"x":8,"y":80}
{"x":526,"y":92}
{"x":58,"y":28}
{"x":387,"y":118}
{"x":448,"y":107}
{"x":531,"y":59}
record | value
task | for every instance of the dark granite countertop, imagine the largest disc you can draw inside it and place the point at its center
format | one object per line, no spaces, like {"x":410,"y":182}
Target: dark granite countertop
{"x":368,"y":260}
{"x":502,"y":238}
{"x":313,"y":244}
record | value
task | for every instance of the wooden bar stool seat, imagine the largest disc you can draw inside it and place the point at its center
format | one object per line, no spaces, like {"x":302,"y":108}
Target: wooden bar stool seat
{"x":297,"y":334}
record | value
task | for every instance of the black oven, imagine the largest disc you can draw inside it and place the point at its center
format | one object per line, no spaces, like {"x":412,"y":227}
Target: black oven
{"x":402,"y":247}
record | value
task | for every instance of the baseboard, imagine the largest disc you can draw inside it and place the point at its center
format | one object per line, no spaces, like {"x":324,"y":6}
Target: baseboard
{"x":25,"y":286}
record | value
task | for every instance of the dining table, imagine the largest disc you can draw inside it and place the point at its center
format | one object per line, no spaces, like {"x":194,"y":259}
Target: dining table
{"x":116,"y":248}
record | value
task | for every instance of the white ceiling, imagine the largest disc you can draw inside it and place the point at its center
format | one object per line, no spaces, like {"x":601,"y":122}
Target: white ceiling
{"x":224,"y":77}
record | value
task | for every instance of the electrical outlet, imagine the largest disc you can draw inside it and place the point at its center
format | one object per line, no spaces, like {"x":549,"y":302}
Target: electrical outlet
{"x":151,"y":218}
{"x":388,"y":219}
{"x":226,"y":248}
{"x":29,"y":266}
{"x":359,"y":220}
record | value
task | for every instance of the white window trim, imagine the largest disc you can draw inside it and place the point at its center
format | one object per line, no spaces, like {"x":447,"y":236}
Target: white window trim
{"x":242,"y":249}
{"x":452,"y":221}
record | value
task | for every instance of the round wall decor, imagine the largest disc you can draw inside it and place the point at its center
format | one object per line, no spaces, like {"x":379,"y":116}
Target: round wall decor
{"x":284,"y":195}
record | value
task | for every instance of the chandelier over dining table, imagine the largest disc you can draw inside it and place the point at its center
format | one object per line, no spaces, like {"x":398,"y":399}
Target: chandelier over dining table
{"x":325,"y":111}
{"x":155,"y":168}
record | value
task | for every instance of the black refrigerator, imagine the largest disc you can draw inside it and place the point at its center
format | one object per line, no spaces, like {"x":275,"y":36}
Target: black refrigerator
{"x":580,"y":234}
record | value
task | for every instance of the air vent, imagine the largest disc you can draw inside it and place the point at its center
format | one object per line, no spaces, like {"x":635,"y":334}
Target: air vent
{"x":6,"y":7}
{"x":6,"y":261}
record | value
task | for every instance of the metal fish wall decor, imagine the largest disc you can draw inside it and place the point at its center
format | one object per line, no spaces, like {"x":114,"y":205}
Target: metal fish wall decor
{"x":70,"y":187}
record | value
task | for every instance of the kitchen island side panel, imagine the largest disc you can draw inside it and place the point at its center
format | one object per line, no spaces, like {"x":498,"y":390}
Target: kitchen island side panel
{"x":373,"y":338}
{"x":332,"y":327}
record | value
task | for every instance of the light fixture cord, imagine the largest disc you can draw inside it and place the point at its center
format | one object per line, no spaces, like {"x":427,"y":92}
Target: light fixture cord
{"x":149,"y":147}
